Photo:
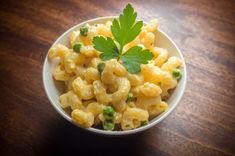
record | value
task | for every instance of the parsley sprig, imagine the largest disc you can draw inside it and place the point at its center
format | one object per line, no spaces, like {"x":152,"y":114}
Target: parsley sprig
{"x":124,"y":30}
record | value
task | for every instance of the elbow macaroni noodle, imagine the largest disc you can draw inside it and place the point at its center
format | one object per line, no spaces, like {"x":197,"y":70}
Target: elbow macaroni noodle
{"x":89,"y":91}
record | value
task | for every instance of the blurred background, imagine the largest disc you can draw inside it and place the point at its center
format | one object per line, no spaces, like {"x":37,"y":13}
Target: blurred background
{"x":202,"y":124}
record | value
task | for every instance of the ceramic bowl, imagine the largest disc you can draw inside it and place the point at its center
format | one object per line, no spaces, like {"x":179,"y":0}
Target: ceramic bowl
{"x":54,"y":89}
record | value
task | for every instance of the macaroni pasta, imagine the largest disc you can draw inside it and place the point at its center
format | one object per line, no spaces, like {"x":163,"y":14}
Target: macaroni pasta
{"x":94,"y":85}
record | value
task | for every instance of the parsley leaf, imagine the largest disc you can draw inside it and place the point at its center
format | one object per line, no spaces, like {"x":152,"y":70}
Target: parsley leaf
{"x":134,"y":57}
{"x":125,"y":29}
{"x":107,"y":47}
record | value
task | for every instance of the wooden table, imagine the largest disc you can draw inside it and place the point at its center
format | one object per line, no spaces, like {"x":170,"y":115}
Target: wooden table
{"x":202,"y":124}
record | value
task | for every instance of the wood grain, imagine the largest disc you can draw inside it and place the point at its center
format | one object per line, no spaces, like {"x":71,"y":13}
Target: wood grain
{"x":202,"y":124}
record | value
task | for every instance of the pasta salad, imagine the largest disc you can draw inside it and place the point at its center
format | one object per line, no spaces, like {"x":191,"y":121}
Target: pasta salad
{"x":116,"y":78}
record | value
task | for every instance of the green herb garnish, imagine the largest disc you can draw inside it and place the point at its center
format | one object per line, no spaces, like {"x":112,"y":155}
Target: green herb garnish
{"x":124,"y":30}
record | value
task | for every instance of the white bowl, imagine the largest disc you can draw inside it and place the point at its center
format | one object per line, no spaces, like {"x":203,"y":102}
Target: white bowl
{"x":55,"y":89}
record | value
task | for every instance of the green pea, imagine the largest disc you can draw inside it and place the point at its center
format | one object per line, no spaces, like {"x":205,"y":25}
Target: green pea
{"x":177,"y":73}
{"x":130,"y":97}
{"x":143,"y":123}
{"x":100,"y":67}
{"x":109,"y":126}
{"x":77,"y":47}
{"x":84,"y":30}
{"x":109,"y":111}
{"x":108,"y":118}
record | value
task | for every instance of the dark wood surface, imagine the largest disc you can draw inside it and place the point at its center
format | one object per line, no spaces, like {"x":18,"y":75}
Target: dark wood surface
{"x":202,"y":124}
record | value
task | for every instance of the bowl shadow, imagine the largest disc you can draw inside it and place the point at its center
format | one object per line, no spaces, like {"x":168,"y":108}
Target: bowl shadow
{"x":66,"y":139}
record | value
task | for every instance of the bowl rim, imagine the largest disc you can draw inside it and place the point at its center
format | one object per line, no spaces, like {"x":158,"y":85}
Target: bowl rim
{"x":115,"y":133}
